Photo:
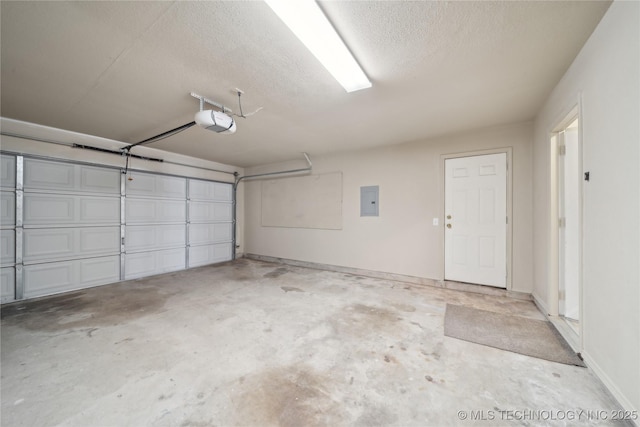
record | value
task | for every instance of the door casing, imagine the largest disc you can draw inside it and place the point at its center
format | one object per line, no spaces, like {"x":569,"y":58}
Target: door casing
{"x":509,"y":243}
{"x":553,"y":259}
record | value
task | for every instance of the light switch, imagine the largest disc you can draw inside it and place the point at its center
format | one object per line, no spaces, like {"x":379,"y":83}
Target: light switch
{"x":436,"y":221}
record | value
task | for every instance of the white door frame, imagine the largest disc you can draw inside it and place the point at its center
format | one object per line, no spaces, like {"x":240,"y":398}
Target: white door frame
{"x":553,"y":249}
{"x":509,"y":152}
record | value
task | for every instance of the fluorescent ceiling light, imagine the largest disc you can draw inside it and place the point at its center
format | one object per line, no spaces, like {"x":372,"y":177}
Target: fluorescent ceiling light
{"x":312,"y":27}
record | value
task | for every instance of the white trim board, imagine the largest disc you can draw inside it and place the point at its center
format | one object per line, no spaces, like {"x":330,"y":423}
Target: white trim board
{"x":422,"y":281}
{"x":610,"y":386}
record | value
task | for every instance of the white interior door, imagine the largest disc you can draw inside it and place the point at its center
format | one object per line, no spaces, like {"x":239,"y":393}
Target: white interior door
{"x":476,"y":219}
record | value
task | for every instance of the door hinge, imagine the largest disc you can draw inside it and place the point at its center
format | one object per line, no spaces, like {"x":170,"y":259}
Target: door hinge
{"x":562,"y":222}
{"x":507,"y":220}
{"x":562,"y":150}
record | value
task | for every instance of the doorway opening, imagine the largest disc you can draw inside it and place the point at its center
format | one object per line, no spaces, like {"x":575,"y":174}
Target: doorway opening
{"x":566,"y":215}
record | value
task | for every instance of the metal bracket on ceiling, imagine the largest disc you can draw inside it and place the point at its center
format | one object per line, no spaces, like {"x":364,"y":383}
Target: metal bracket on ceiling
{"x":204,"y":100}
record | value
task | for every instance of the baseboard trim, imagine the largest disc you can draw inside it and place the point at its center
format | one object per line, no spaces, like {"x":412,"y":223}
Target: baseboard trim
{"x":542,"y":306}
{"x":421,"y":281}
{"x":611,"y":386}
{"x":569,"y":335}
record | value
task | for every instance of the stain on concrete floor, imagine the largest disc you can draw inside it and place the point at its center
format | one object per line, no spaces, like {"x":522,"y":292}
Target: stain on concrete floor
{"x":87,"y":309}
{"x":288,"y":396}
{"x":239,"y":344}
{"x":274,"y":274}
{"x":290,"y":289}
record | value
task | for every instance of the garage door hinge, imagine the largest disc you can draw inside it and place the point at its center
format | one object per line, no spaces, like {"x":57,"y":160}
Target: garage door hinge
{"x":122,"y":240}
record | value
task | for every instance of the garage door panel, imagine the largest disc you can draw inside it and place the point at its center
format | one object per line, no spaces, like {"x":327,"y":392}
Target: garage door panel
{"x":200,"y":189}
{"x":171,"y":260}
{"x":47,"y":244}
{"x":144,"y":211}
{"x":49,"y":175}
{"x":210,"y":211}
{"x":149,"y":263}
{"x":8,"y":208}
{"x":41,"y":245}
{"x":69,"y":177}
{"x":210,"y":233}
{"x":142,"y":184}
{"x":44,"y":279}
{"x":222,"y":192}
{"x":149,"y":185}
{"x":172,"y":211}
{"x":99,"y":270}
{"x":140,"y":265}
{"x":209,"y":254}
{"x":145,"y":237}
{"x":64,"y":209}
{"x":7,"y":284}
{"x":40,"y":209}
{"x":99,"y":180}
{"x":49,"y":278}
{"x":7,"y":247}
{"x":99,"y":240}
{"x":206,"y":190}
{"x":99,"y":210}
{"x":140,"y":211}
{"x":7,"y":171}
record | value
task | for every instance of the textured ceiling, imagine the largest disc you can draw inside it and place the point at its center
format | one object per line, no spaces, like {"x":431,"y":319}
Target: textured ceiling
{"x":124,"y":70}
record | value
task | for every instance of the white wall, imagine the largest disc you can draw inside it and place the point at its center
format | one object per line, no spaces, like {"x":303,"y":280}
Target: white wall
{"x":402,"y":240}
{"x":37,"y":147}
{"x":605,"y":76}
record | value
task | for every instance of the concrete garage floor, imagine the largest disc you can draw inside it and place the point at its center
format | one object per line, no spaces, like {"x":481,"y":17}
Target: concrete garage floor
{"x":256,"y":344}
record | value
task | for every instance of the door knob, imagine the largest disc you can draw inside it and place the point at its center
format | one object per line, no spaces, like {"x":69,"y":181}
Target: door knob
{"x":448,"y":216}
{"x":448,"y":225}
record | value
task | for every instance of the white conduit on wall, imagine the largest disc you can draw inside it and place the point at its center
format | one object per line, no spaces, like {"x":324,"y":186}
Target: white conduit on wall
{"x":260,"y":175}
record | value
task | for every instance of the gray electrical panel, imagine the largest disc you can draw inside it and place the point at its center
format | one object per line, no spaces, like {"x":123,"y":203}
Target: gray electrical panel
{"x":369,"y":201}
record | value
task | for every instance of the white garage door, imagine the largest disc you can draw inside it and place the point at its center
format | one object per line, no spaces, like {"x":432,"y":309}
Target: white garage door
{"x":210,"y":222}
{"x":71,"y":235}
{"x":81,"y":225}
{"x":155,"y":217}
